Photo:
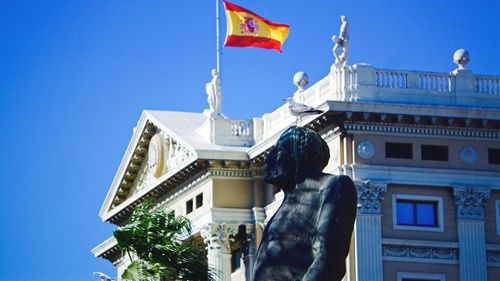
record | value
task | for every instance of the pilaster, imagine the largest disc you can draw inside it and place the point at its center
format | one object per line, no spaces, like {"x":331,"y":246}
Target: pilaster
{"x":368,"y":228}
{"x":216,"y":237}
{"x":470,"y":204}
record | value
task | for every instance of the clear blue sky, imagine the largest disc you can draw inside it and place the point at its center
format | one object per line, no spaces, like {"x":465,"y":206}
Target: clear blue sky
{"x":75,"y":76}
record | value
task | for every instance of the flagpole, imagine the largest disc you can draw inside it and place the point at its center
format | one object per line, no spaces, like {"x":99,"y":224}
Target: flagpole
{"x":217,"y":34}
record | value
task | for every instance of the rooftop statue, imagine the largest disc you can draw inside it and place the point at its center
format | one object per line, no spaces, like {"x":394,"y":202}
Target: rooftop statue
{"x":214,"y":93}
{"x":341,"y":42}
{"x":308,"y":237}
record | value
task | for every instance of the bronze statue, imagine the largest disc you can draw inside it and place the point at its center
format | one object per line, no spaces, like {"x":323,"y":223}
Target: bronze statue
{"x":308,"y":238}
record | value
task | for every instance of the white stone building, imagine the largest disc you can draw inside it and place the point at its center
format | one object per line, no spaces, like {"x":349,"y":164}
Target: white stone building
{"x":423,"y":149}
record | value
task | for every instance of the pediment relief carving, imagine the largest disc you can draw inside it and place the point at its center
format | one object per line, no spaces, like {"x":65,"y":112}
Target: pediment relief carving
{"x":156,"y":154}
{"x":164,"y":154}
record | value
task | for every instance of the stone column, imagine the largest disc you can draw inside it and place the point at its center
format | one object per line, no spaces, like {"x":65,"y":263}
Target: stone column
{"x":216,"y":236}
{"x":470,"y":204}
{"x":368,"y":231}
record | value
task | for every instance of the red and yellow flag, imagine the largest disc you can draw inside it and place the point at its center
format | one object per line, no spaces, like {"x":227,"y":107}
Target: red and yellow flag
{"x":247,"y":29}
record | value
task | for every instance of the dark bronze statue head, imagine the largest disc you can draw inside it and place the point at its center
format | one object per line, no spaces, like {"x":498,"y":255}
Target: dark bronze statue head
{"x":299,"y":152}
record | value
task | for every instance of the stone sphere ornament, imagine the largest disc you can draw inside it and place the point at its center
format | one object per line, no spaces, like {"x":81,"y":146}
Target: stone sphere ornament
{"x":366,"y":149}
{"x":461,"y":58}
{"x":300,"y":79}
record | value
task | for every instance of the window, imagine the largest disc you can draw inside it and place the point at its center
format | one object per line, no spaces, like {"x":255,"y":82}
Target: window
{"x":420,"y":276}
{"x":398,"y":150}
{"x":189,"y":206}
{"x":199,"y":200}
{"x":235,"y":260}
{"x":419,"y":213}
{"x":497,"y":213}
{"x":415,"y":212}
{"x":434,"y":152}
{"x":494,"y":155}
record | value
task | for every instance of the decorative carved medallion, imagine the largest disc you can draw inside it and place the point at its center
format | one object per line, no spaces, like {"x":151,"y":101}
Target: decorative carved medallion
{"x":468,"y":155}
{"x":370,"y":197}
{"x":155,"y":156}
{"x":470,"y":203}
{"x":366,"y":149}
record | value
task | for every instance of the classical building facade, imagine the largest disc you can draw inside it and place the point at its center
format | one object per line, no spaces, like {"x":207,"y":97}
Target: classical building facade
{"x":423,"y":149}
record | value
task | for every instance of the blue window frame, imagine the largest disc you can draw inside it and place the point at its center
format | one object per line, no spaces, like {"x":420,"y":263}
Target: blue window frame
{"x":416,"y":213}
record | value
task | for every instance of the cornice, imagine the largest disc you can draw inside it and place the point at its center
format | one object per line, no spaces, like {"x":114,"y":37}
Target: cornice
{"x":398,"y":129}
{"x":165,"y":184}
{"x":134,"y":166}
{"x":130,"y":164}
{"x":107,"y":250}
{"x":174,"y":185}
{"x":425,"y":176}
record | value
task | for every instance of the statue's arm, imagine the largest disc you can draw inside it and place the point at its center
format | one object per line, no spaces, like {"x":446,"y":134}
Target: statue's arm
{"x":335,"y":227}
{"x":343,"y":30}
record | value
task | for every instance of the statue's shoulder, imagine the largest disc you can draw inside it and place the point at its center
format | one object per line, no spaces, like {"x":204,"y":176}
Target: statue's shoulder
{"x":335,"y":182}
{"x":341,"y":179}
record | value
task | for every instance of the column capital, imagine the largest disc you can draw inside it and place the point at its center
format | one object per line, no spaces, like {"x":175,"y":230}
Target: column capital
{"x":470,"y":202}
{"x":370,"y":196}
{"x":216,"y":237}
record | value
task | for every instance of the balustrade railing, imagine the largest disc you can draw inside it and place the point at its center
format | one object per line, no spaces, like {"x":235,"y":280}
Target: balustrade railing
{"x":241,"y":128}
{"x":487,"y":85}
{"x":435,"y":82}
{"x":363,"y":83}
{"x":391,"y":79}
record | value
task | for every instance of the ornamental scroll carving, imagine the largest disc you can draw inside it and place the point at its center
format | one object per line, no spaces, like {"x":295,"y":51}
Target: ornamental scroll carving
{"x":470,"y":203}
{"x":370,"y":197}
{"x":216,"y":237}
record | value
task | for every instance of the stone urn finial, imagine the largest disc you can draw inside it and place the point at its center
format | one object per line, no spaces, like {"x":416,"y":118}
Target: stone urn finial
{"x":300,"y":79}
{"x":461,"y":58}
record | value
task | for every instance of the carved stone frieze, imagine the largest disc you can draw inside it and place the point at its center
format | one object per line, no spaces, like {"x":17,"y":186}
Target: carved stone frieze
{"x":399,"y":251}
{"x":230,"y":168}
{"x":370,"y":196}
{"x":216,"y":237}
{"x":470,"y":202}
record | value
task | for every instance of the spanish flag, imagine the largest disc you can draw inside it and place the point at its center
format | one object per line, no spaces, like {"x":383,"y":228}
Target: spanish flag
{"x":247,"y":29}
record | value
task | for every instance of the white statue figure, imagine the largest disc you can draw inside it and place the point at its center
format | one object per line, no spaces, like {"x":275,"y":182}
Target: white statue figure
{"x":341,"y":42}
{"x":213,"y":89}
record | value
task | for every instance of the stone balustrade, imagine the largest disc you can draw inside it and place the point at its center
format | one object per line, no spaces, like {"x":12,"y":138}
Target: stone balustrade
{"x":364,"y":83}
{"x":224,"y":131}
{"x":487,"y":85}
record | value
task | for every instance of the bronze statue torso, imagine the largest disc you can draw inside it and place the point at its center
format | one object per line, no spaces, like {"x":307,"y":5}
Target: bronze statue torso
{"x":292,"y":241}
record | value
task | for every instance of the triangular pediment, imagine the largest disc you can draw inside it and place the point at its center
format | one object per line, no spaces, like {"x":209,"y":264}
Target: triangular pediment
{"x":154,"y":152}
